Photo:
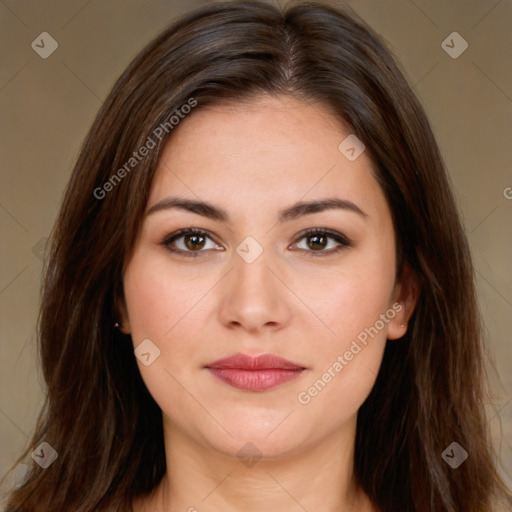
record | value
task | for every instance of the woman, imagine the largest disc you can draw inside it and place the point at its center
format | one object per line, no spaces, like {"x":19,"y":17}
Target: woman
{"x":260,"y":293}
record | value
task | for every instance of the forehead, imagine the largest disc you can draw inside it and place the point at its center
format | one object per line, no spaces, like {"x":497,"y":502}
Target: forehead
{"x":270,"y":152}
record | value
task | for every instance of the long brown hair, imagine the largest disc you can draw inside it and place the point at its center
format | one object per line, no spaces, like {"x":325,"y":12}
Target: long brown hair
{"x":430,"y":392}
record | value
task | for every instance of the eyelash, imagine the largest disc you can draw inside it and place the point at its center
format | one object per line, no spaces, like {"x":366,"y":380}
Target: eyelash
{"x":338,"y":237}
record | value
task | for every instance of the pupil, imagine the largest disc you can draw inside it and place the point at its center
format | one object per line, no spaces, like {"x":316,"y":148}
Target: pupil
{"x":315,"y":244}
{"x":191,"y":244}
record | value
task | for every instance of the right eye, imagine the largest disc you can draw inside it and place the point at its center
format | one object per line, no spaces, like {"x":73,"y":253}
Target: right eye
{"x":194,"y":240}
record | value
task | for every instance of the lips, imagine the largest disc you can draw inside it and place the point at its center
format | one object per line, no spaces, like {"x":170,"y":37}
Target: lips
{"x":255,"y":373}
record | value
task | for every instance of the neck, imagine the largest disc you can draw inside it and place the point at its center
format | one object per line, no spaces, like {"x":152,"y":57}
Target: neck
{"x":202,"y":479}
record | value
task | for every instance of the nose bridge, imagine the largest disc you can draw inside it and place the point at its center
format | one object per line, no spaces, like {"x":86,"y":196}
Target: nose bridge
{"x":254,"y":297}
{"x":252,"y":276}
{"x":251,"y":260}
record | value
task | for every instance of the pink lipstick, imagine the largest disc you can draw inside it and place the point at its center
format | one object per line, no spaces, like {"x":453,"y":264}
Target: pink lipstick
{"x":255,"y":373}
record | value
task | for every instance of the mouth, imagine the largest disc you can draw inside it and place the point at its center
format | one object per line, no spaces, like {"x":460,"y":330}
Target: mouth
{"x":255,"y":373}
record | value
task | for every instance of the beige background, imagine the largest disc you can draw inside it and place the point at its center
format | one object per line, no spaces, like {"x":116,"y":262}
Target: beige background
{"x":47,"y":106}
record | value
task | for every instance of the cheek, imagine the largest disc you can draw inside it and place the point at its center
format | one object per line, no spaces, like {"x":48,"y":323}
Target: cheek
{"x":166,"y":303}
{"x":161,"y":302}
{"x":354,"y":304}
{"x":350,"y":298}
{"x":159,"y":295}
{"x":347,"y":360}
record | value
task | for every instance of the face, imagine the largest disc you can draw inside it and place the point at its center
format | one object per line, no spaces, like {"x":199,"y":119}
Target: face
{"x":313,"y":286}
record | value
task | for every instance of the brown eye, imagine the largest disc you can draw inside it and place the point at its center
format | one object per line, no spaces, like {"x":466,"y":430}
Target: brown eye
{"x":189,"y":242}
{"x":194,"y":241}
{"x":317,"y":242}
{"x":323,"y":242}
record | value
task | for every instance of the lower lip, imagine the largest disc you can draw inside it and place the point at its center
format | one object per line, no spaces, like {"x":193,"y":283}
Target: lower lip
{"x":255,"y":380}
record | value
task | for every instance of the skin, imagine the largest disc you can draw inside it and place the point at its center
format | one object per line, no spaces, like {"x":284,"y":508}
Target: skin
{"x":253,"y":159}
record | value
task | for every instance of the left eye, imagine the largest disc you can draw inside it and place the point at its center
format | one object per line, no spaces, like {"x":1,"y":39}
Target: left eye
{"x":193,"y":240}
{"x":317,"y":240}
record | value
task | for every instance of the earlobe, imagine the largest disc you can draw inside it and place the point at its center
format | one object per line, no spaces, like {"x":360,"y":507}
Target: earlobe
{"x":122,"y":328}
{"x":122,"y":323}
{"x":405,"y":299}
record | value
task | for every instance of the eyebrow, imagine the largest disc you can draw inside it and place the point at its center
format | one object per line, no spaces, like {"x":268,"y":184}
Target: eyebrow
{"x":295,"y":211}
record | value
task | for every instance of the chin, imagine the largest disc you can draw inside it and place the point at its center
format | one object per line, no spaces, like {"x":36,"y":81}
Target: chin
{"x":253,"y":449}
{"x":257,"y":441}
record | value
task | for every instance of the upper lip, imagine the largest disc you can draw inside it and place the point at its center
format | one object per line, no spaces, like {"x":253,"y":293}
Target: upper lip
{"x":262,"y":362}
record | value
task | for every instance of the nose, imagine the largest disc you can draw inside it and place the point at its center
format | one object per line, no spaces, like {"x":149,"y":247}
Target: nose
{"x":254,"y":296}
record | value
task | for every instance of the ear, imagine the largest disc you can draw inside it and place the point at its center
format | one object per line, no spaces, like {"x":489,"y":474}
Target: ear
{"x":123,"y":318}
{"x":406,"y":292}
